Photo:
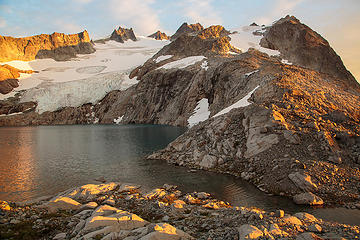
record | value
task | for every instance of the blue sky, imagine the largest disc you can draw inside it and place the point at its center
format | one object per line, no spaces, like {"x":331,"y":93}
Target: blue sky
{"x":335,"y":20}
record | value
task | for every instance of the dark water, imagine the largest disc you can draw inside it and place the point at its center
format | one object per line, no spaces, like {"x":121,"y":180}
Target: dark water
{"x":38,"y":161}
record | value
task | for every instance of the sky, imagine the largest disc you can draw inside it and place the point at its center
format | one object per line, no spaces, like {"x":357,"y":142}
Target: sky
{"x":337,"y":21}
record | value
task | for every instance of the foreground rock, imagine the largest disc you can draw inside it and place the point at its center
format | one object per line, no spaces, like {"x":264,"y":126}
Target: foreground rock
{"x":162,"y":213}
{"x":9,"y":78}
{"x":58,"y":46}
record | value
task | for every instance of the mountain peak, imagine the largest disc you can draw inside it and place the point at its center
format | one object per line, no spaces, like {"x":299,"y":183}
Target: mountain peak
{"x":123,"y":34}
{"x":186,"y":28}
{"x":159,"y":36}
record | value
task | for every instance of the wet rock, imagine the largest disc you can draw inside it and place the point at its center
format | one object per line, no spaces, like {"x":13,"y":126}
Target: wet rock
{"x":247,"y":231}
{"x":308,"y":198}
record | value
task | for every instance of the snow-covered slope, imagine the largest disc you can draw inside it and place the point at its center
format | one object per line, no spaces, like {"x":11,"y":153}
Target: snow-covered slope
{"x":86,"y":78}
{"x":243,"y":39}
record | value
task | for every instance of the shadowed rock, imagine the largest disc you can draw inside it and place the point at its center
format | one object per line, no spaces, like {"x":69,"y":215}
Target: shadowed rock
{"x":186,"y":29}
{"x":123,"y":34}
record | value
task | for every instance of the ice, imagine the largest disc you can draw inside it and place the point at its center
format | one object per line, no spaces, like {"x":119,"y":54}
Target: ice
{"x":204,"y":65}
{"x":241,"y":103}
{"x":184,"y":62}
{"x":162,"y":58}
{"x":244,"y":39}
{"x":251,"y":73}
{"x":86,"y":78}
{"x":284,"y":61}
{"x":118,"y":120}
{"x":201,"y":113}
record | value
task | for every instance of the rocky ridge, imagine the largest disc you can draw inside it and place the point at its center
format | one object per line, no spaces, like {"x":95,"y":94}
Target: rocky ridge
{"x":187,"y":29}
{"x":159,"y":36}
{"x":9,"y":78}
{"x":58,"y":46}
{"x":125,"y":211}
{"x":123,"y":34}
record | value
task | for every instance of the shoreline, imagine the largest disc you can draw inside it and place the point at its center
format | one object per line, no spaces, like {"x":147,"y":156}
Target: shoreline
{"x":79,"y":213}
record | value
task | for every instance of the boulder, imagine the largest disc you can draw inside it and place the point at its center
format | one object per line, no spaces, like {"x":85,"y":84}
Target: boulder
{"x":308,"y":236}
{"x":61,"y":203}
{"x":291,"y":220}
{"x":247,"y":231}
{"x":302,"y":181}
{"x":307,"y":198}
{"x":164,"y":231}
{"x":4,"y":206}
{"x":306,"y":217}
{"x":155,"y":193}
{"x":91,"y":191}
{"x":208,"y":162}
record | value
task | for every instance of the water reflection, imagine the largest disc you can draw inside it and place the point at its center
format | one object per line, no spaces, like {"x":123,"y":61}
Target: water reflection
{"x":37,"y":161}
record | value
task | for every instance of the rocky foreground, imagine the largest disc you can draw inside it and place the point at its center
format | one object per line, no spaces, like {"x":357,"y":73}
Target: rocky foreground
{"x":124,"y":211}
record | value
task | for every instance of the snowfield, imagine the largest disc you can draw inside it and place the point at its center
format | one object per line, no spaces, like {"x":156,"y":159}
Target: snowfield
{"x":85,"y":79}
{"x":183,"y":63}
{"x":244,"y":39}
{"x":201,"y":113}
{"x":241,"y":103}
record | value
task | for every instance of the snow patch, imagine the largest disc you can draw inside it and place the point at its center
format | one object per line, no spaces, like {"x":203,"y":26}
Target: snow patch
{"x":162,"y":58}
{"x":201,"y":113}
{"x":284,"y":61}
{"x":183,"y":63}
{"x":251,"y":73}
{"x":204,"y":65}
{"x":244,"y":39}
{"x":118,"y":120}
{"x":241,"y":103}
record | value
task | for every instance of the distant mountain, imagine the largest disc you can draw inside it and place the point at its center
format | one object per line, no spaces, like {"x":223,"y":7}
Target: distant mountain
{"x":58,"y":46}
{"x":186,"y":28}
{"x":9,"y":78}
{"x":123,"y":34}
{"x":159,"y":36}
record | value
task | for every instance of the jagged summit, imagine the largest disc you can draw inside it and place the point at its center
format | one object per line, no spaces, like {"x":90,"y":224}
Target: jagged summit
{"x":159,"y":36}
{"x":186,"y":28}
{"x":302,"y":46}
{"x":123,"y":34}
{"x":58,"y":46}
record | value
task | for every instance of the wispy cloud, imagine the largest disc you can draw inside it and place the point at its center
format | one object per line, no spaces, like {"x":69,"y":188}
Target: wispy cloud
{"x":83,"y":1}
{"x":201,"y":11}
{"x":2,"y":23}
{"x":280,"y":9}
{"x":67,"y":27}
{"x":137,"y":14}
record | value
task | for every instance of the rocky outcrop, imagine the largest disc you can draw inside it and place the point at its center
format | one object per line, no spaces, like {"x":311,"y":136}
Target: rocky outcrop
{"x":9,"y":78}
{"x":187,"y":29}
{"x":123,"y":34}
{"x":302,"y":46}
{"x":170,"y":215}
{"x":58,"y":46}
{"x":159,"y":36}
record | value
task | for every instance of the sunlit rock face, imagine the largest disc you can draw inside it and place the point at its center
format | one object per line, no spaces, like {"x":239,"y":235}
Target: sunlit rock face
{"x":123,"y":34}
{"x":186,"y":29}
{"x":58,"y":46}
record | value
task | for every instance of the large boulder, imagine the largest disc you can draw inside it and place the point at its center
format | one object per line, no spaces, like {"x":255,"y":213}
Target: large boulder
{"x":302,"y":181}
{"x":307,"y":198}
{"x":247,"y":231}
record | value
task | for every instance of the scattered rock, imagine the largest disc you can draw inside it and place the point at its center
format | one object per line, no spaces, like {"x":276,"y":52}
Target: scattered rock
{"x":247,"y":231}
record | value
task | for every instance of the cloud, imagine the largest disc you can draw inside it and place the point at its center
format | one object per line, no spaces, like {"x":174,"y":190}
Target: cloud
{"x":280,"y":9}
{"x":67,"y":27}
{"x":2,"y":22}
{"x":83,"y":1}
{"x":137,"y":14}
{"x":201,"y":11}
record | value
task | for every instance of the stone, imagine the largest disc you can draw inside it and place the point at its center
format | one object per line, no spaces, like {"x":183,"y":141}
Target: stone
{"x":291,"y":220}
{"x":211,"y":205}
{"x":302,"y":181}
{"x":276,"y":231}
{"x":164,"y":231}
{"x":62,"y":203}
{"x":279,"y":213}
{"x":308,"y":236}
{"x":91,"y":191}
{"x":247,"y":231}
{"x":178,"y":204}
{"x":79,"y":226}
{"x":110,"y":201}
{"x":89,"y":205}
{"x":60,"y":236}
{"x":155,"y":193}
{"x":202,"y":195}
{"x":4,"y":206}
{"x":15,"y":221}
{"x":306,"y":217}
{"x":208,"y":162}
{"x":307,"y":198}
{"x":315,"y":228}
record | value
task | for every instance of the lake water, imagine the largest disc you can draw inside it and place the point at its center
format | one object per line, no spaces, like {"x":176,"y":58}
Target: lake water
{"x":38,"y":161}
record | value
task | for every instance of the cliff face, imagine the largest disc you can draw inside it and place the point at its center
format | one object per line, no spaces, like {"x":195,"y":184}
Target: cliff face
{"x":58,"y":46}
{"x":123,"y":34}
{"x":302,"y":46}
{"x":159,"y":36}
